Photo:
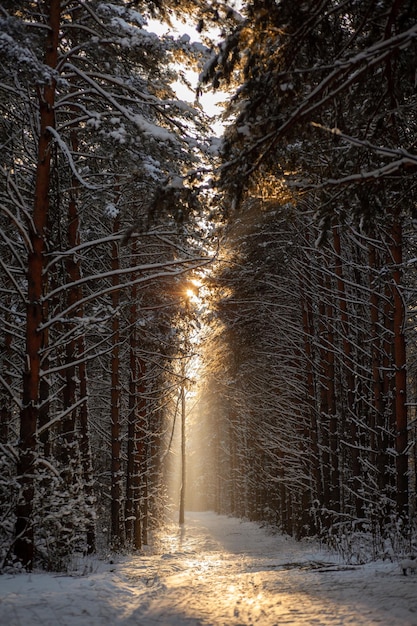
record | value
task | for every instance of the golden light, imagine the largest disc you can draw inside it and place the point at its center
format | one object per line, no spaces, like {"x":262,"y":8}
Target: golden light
{"x":192,"y":290}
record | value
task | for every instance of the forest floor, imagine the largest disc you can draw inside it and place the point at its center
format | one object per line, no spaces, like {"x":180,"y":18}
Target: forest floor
{"x":215,"y":571}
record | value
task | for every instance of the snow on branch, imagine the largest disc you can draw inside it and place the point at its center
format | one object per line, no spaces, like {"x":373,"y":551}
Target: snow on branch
{"x":18,"y":225}
{"x":60,"y":416}
{"x":382,"y":150}
{"x":344,"y":74}
{"x":196,"y":264}
{"x":10,"y":391}
{"x":127,"y":270}
{"x":58,"y":256}
{"x":146,"y":127}
{"x":406,"y":161}
{"x":71,"y":163}
{"x":48,"y":465}
{"x":13,"y":280}
{"x":84,"y":359}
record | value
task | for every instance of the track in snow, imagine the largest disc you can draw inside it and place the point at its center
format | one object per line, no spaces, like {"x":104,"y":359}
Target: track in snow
{"x":216,"y":571}
{"x":219,"y":571}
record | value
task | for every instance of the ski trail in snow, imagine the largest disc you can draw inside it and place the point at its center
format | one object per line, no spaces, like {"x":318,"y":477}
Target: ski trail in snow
{"x":216,"y":571}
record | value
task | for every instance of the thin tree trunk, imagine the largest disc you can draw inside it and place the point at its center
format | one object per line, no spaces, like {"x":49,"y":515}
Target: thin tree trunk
{"x":400,"y":377}
{"x":74,"y":272}
{"x":308,"y":331}
{"x":233,"y":462}
{"x":183,"y":468}
{"x":69,"y":448}
{"x":144,"y":474}
{"x":378,"y":437}
{"x":348,"y":382}
{"x":141,"y":468}
{"x":5,"y":361}
{"x":331,"y":402}
{"x":116,"y":465}
{"x":387,"y":477}
{"x":74,"y":351}
{"x":324,"y":408}
{"x":132,"y":470}
{"x":85,"y":452}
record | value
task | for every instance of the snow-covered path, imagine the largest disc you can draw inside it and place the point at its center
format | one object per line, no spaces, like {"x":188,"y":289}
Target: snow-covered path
{"x":216,"y":571}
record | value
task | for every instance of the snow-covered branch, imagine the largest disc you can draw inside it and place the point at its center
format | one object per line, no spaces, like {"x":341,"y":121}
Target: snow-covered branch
{"x":142,"y":280}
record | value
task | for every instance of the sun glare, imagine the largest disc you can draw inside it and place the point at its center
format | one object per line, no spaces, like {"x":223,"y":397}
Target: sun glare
{"x":192,"y":291}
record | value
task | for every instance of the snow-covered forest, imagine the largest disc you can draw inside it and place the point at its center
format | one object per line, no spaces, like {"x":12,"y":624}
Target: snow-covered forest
{"x":222,"y":323}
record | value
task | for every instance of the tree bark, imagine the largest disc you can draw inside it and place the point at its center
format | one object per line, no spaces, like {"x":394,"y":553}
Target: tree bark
{"x":5,"y":396}
{"x":141,"y":461}
{"x":400,"y":376}
{"x":347,"y":383}
{"x":24,"y":541}
{"x":116,"y":465}
{"x":132,"y":513}
{"x":183,"y":468}
{"x":304,"y":279}
{"x":378,"y":430}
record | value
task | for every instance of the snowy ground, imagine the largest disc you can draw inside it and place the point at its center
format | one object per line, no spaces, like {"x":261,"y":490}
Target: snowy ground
{"x":216,"y":571}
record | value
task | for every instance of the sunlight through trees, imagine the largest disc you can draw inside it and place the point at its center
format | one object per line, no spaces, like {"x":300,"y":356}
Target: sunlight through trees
{"x":223,"y":323}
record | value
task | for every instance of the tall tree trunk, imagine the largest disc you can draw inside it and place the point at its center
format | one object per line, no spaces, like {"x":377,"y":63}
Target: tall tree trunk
{"x":308,"y":333}
{"x":5,"y":362}
{"x":24,"y":541}
{"x":183,"y":468}
{"x":331,"y":402}
{"x":144,"y":476}
{"x":69,"y":445}
{"x":85,"y":452}
{"x":348,"y":381}
{"x":75,"y":349}
{"x":400,"y":364}
{"x":141,"y":461}
{"x":116,"y":465}
{"x":233,"y":463}
{"x":378,"y":429}
{"x":136,"y":511}
{"x":44,"y":396}
{"x":324,"y":440}
{"x":132,"y":470}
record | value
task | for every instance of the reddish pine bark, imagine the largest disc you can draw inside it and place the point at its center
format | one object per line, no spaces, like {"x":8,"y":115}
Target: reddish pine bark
{"x":24,"y":542}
